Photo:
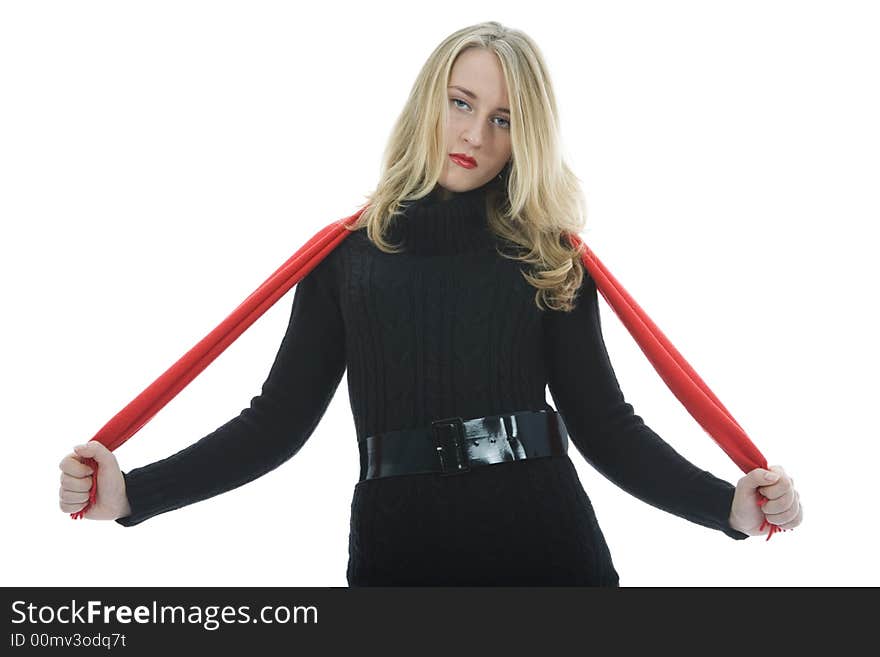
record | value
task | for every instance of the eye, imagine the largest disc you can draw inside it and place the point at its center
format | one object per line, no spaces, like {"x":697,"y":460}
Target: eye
{"x":459,"y":100}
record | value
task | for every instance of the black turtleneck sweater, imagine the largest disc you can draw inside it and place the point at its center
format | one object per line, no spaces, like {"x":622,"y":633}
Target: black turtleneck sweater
{"x":447,"y":328}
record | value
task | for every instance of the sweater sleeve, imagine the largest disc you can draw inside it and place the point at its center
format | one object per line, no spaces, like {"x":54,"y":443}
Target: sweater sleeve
{"x":607,"y":432}
{"x":303,"y":379}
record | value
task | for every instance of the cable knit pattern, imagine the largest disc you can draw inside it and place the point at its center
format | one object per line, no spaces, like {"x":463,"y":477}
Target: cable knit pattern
{"x":447,"y":328}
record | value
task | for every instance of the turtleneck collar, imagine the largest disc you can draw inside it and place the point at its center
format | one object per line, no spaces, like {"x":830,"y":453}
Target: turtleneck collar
{"x":433,"y":225}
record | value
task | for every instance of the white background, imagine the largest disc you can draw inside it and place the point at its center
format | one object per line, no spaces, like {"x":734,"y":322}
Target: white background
{"x":159,"y":160}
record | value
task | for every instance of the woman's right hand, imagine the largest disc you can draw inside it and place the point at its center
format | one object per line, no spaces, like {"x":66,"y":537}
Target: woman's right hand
{"x":111,"y":501}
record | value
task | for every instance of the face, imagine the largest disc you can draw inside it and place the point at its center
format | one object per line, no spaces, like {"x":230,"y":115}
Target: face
{"x":479,"y":120}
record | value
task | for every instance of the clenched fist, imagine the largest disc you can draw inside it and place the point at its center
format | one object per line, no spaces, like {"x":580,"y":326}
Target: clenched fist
{"x":111,"y":501}
{"x":783,"y":507}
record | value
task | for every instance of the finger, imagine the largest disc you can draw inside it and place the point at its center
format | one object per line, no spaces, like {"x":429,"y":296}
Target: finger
{"x":758,"y":477}
{"x":67,"y":507}
{"x":779,"y":504}
{"x":73,"y":496}
{"x":783,"y":475}
{"x":797,"y":519}
{"x":777,"y":490}
{"x":78,"y":484}
{"x":67,"y":477}
{"x":93,"y":449}
{"x":74,"y":467}
{"x":774,"y":491}
{"x":781,"y":518}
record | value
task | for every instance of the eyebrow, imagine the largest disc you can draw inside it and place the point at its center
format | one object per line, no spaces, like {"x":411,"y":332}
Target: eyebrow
{"x":470,"y":94}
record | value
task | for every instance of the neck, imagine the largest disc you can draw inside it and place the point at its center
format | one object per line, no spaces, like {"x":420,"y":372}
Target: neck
{"x":444,"y":194}
{"x":444,"y":223}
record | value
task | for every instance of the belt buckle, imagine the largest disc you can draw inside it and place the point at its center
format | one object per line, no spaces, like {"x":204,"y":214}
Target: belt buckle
{"x":448,"y":437}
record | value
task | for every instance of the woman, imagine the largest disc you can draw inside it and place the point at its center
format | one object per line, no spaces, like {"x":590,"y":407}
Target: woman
{"x":450,"y":342}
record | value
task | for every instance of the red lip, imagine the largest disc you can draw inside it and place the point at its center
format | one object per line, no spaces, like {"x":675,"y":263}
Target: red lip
{"x":463,"y":160}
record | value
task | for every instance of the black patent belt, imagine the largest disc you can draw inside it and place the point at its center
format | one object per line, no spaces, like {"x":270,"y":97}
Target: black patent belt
{"x":453,"y":445}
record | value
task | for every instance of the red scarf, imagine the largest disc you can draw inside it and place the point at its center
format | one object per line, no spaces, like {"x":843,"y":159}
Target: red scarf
{"x":679,"y":376}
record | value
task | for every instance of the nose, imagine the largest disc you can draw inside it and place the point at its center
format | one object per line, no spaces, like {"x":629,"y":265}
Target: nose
{"x":473,"y":133}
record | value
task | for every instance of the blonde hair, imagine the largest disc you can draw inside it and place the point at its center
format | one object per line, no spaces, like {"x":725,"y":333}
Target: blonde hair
{"x":539,"y":199}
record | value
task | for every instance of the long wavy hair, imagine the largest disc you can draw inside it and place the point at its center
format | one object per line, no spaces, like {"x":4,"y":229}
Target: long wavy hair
{"x":536,"y":198}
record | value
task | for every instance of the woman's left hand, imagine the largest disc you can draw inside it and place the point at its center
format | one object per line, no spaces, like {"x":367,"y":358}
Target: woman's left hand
{"x":783,"y":508}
